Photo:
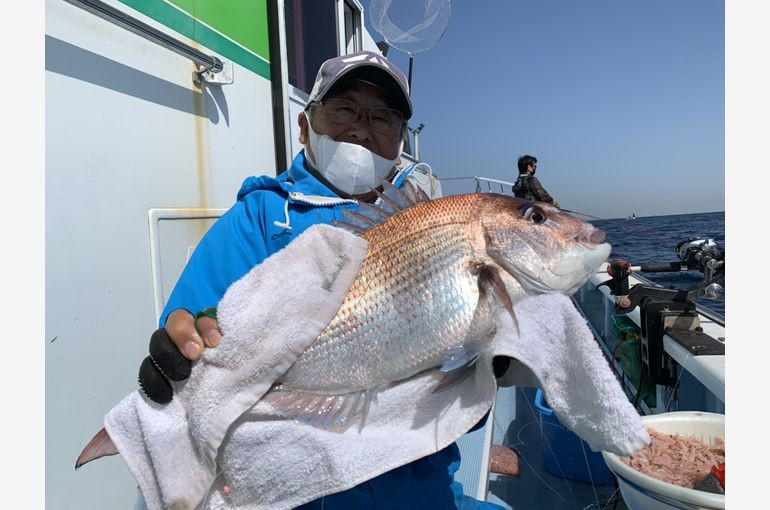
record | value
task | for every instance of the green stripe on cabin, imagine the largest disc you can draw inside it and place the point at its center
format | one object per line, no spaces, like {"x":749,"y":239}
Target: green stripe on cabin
{"x":244,"y":21}
{"x":237,"y":29}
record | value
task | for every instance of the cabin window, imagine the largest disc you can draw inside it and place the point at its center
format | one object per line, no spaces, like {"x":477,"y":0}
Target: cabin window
{"x":352,"y":29}
{"x":311,"y":38}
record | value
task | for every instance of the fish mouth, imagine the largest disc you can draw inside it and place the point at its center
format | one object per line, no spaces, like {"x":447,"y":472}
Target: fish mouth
{"x":571,"y":272}
{"x":591,"y":237}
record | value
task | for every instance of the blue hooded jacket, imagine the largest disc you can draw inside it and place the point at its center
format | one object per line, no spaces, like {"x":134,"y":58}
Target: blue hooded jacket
{"x":268,"y":214}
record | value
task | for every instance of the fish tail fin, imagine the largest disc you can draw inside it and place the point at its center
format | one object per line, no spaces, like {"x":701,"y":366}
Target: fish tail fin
{"x":328,"y":412}
{"x":101,"y":445}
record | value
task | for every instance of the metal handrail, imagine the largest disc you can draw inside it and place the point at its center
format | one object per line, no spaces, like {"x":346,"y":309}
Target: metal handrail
{"x":103,"y":10}
{"x":486,"y":179}
{"x":479,"y":180}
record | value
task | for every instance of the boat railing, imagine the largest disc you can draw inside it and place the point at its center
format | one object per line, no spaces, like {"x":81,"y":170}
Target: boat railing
{"x":485,"y":184}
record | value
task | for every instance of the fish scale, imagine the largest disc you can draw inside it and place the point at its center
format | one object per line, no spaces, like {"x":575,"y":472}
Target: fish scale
{"x":434,"y":276}
{"x":423,"y":250}
{"x":416,"y":302}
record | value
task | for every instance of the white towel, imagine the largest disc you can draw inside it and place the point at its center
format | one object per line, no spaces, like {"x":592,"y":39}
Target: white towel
{"x":556,"y":346}
{"x":214,"y":447}
{"x":268,"y":318}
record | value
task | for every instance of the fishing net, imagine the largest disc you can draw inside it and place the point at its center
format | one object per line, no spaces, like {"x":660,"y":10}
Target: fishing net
{"x":411,"y":26}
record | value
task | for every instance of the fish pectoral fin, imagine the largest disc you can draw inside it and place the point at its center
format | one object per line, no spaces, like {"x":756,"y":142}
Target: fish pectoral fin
{"x":458,"y":362}
{"x":328,"y":412}
{"x":492,"y":285}
{"x":101,"y":445}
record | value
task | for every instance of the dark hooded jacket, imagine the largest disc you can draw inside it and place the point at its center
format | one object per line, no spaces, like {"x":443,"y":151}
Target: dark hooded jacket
{"x":528,"y":187}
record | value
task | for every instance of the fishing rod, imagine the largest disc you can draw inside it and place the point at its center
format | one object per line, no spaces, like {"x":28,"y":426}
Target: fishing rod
{"x":664,"y":312}
{"x":623,"y":226}
{"x":669,"y":311}
{"x":704,"y":255}
{"x":507,"y":185}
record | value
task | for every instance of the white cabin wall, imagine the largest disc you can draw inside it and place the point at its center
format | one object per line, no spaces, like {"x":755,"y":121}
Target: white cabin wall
{"x":126,"y":131}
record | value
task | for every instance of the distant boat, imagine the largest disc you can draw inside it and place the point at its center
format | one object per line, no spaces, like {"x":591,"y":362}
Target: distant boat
{"x":632,"y":217}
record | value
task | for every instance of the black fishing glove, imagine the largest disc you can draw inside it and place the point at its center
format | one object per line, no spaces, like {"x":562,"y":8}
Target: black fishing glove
{"x":165,"y":363}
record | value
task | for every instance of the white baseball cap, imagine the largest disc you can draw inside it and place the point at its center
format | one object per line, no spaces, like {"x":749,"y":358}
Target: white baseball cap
{"x":368,"y":66}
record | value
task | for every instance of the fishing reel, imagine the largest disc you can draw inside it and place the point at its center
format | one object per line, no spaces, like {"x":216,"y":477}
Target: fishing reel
{"x":670,"y":311}
{"x":704,"y":255}
{"x":708,"y":257}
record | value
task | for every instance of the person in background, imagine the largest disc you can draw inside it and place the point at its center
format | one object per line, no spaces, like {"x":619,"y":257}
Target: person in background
{"x":527,"y":186}
{"x":353,"y":129}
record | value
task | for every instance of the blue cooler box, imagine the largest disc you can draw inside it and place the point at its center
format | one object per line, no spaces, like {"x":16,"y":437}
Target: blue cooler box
{"x":562,"y":450}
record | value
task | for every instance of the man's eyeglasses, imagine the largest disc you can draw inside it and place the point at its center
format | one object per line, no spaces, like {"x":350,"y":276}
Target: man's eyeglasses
{"x":382,"y":119}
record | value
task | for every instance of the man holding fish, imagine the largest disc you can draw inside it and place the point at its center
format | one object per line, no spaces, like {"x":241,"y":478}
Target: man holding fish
{"x":353,"y":129}
{"x":437,"y":279}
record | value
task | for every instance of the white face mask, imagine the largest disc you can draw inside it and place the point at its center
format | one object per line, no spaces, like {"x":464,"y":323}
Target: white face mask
{"x":349,"y":167}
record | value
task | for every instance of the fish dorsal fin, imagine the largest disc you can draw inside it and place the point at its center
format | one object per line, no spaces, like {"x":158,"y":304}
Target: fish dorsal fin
{"x":403,"y":198}
{"x":390,"y":201}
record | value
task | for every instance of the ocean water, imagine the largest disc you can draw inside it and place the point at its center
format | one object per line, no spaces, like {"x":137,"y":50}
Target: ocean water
{"x":653,"y":240}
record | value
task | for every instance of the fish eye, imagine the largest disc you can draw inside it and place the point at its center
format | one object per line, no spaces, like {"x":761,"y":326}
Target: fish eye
{"x":535,"y":214}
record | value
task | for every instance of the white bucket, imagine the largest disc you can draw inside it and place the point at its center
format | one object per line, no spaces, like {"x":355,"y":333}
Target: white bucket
{"x":643,"y":492}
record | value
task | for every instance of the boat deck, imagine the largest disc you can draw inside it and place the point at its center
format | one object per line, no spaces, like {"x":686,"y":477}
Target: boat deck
{"x":515,"y":422}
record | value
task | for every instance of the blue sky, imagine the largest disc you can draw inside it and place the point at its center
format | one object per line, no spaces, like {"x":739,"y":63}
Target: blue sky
{"x":621,"y":101}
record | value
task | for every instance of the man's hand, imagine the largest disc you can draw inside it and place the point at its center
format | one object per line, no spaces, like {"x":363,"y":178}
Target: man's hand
{"x":172,"y":349}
